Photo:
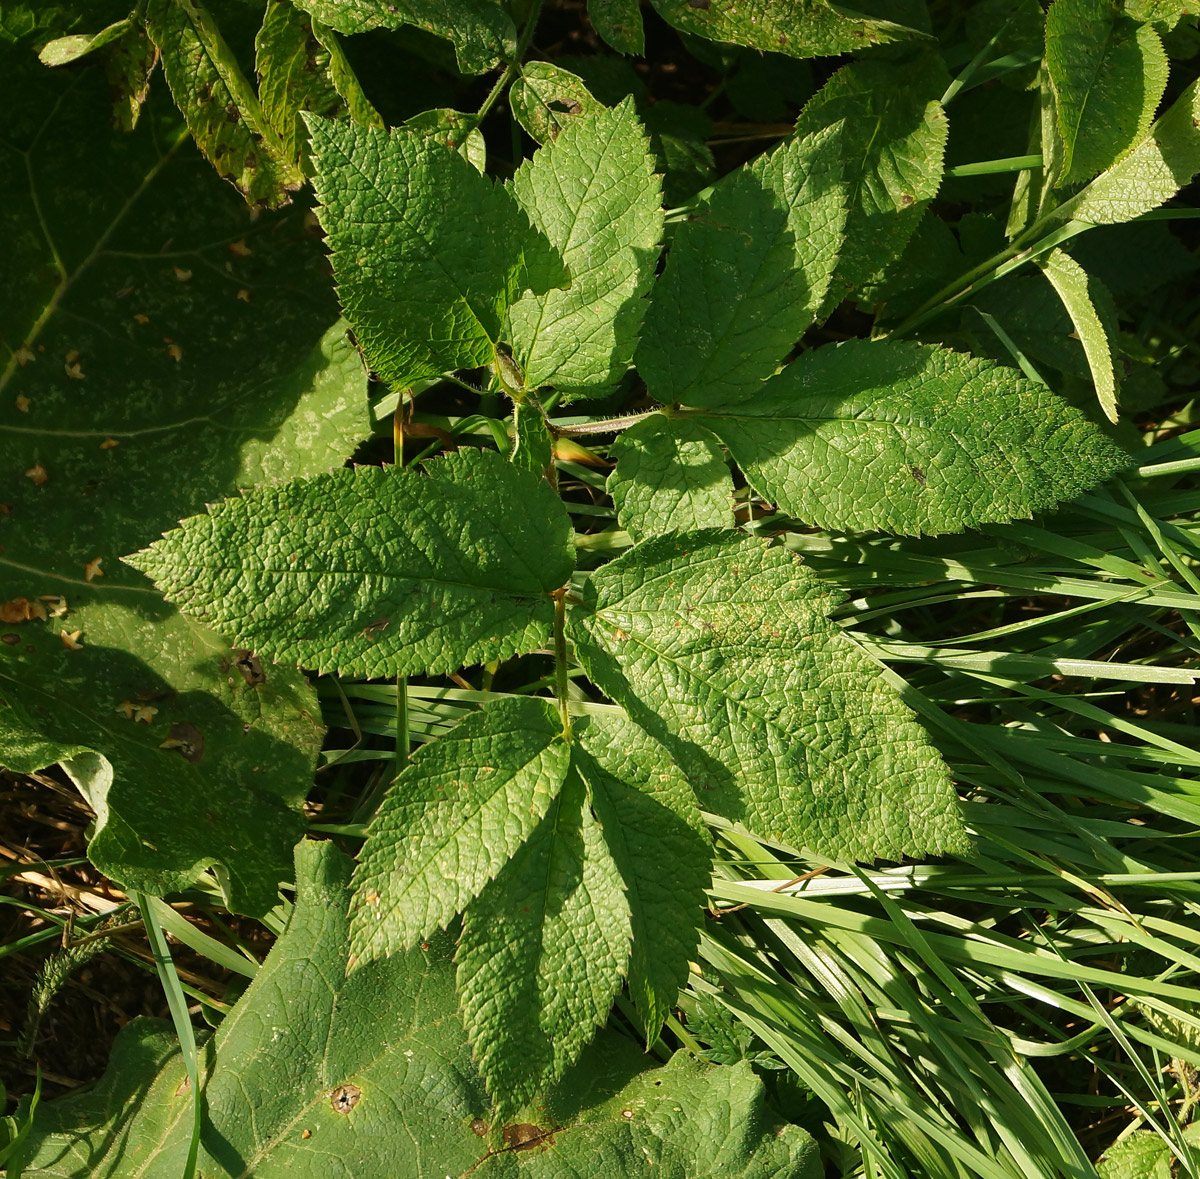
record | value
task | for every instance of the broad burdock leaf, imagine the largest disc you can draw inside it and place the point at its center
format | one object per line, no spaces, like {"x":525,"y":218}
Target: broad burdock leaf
{"x":1108,"y":74}
{"x":652,"y":827}
{"x":720,"y":647}
{"x":542,"y":953}
{"x":1078,"y":290}
{"x":544,"y":99}
{"x":893,"y":140}
{"x":355,"y":572}
{"x":427,"y":253}
{"x":219,"y":104}
{"x":594,"y":195}
{"x":481,"y":31}
{"x":670,"y":477}
{"x":745,"y":275}
{"x":911,"y":438}
{"x":801,"y":28}
{"x":452,"y":820}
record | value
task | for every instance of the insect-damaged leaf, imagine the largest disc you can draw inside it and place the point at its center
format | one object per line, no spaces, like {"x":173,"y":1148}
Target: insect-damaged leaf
{"x":352,"y":572}
{"x":720,"y":648}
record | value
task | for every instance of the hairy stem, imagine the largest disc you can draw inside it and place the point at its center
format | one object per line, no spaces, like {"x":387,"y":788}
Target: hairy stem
{"x":560,"y":659}
{"x":604,"y":426}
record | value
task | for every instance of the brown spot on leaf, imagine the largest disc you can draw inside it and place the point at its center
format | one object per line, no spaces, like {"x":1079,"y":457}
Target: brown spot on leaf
{"x":305,"y":1133}
{"x":23,"y":356}
{"x":109,"y":444}
{"x":244,"y":295}
{"x":187,"y":739}
{"x":21,"y":610}
{"x":38,"y":474}
{"x":92,"y":569}
{"x":344,"y":1098}
{"x":240,"y":248}
{"x":524,"y":1136}
{"x":175,"y":352}
{"x":248,"y":664}
{"x":23,"y":403}
{"x":919,"y":475}
{"x":10,"y":639}
{"x":480,"y":1127}
{"x":71,"y":640}
{"x":181,"y":274}
{"x":143,"y":319}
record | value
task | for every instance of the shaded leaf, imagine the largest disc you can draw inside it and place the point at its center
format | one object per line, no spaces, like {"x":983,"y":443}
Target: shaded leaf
{"x":128,"y":65}
{"x":351,"y":572}
{"x":619,"y":22}
{"x":452,"y":820}
{"x":745,"y":275}
{"x":720,"y":648}
{"x":344,"y":80}
{"x":911,"y":438}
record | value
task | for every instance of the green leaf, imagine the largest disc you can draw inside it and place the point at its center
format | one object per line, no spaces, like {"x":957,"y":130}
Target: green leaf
{"x":1108,"y":74}
{"x":533,"y":446}
{"x":481,"y":30}
{"x":452,"y":129}
{"x":1143,"y":1155}
{"x":745,"y":275}
{"x":801,"y":28}
{"x":377,"y":1075}
{"x":344,"y":80}
{"x":352,"y":572}
{"x":1075,"y":288}
{"x":125,"y":239}
{"x":542,"y":953}
{"x":64,"y":50}
{"x":652,"y":826}
{"x":293,"y":72}
{"x":1150,"y":173}
{"x":427,"y":253}
{"x":619,"y":22}
{"x":893,"y":139}
{"x":544,"y":99}
{"x":220,"y":106}
{"x":911,"y":438}
{"x":720,"y":648}
{"x":670,"y":477}
{"x":128,"y":66}
{"x":594,"y":195}
{"x":452,"y":820}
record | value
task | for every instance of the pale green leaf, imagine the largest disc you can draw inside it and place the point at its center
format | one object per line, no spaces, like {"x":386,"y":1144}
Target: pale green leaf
{"x":427,"y":253}
{"x":745,"y":275}
{"x":220,"y":106}
{"x":670,"y":477}
{"x":64,"y":50}
{"x":542,"y":953}
{"x":1165,"y":14}
{"x":911,"y":438}
{"x":1108,"y":74}
{"x":720,"y":648}
{"x":1150,"y":173}
{"x":1074,"y":286}
{"x":801,"y":28}
{"x":594,"y":195}
{"x":1143,"y":1155}
{"x":619,"y":22}
{"x":315,"y":1073}
{"x":652,"y":826}
{"x":452,"y":820}
{"x":893,"y":139}
{"x":544,"y":99}
{"x":293,"y":73}
{"x":481,"y":31}
{"x":353,"y":572}
{"x":452,"y":129}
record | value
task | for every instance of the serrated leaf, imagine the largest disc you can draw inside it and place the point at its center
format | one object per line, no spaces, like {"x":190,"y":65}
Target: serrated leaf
{"x":1108,"y":74}
{"x":720,"y":648}
{"x":594,"y":195}
{"x":293,"y":72}
{"x":221,"y":109}
{"x":542,"y":953}
{"x":893,"y":139}
{"x":745,"y":275}
{"x":911,"y":438}
{"x":352,"y":572}
{"x":481,"y":31}
{"x":652,"y":827}
{"x":800,"y":28}
{"x":427,"y":253}
{"x":1143,"y":1155}
{"x":670,"y":477}
{"x":1073,"y":285}
{"x":1148,"y":174}
{"x":619,"y":22}
{"x":545,"y":98}
{"x":452,"y":820}
{"x":377,"y":1075}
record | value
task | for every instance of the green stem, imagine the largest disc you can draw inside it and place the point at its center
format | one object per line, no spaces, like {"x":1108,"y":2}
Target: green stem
{"x":561,"y":679}
{"x":991,"y":167}
{"x":403,"y":738}
{"x":513,"y":67}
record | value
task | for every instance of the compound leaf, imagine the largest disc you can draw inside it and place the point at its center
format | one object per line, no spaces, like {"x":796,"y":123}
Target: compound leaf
{"x":894,"y":135}
{"x":721,"y":649}
{"x":670,"y":477}
{"x":428,"y":254}
{"x":911,"y":438}
{"x":481,"y":31}
{"x":452,"y":820}
{"x":653,"y":829}
{"x":542,"y":953}
{"x":351,"y":571}
{"x":745,"y":275}
{"x":594,"y":195}
{"x":1108,"y":74}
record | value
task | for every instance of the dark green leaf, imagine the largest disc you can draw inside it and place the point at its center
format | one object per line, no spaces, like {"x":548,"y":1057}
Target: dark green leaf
{"x":619,"y":22}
